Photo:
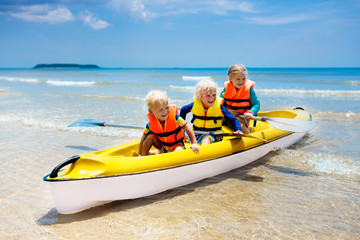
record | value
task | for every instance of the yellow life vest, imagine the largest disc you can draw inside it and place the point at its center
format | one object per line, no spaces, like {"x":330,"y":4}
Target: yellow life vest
{"x":210,"y":120}
{"x":238,"y":100}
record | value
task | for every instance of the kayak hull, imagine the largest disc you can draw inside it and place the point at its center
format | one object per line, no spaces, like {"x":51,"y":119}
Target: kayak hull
{"x":75,"y":195}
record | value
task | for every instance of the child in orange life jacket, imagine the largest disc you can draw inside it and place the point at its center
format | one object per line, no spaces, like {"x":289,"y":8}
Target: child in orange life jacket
{"x":240,"y":97}
{"x":208,"y":112}
{"x":166,"y":128}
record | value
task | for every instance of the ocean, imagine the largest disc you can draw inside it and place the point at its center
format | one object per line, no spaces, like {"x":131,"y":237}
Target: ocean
{"x":310,"y":190}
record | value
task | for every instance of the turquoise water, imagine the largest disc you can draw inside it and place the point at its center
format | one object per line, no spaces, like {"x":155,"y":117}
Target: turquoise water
{"x":316,"y":181}
{"x":58,"y":97}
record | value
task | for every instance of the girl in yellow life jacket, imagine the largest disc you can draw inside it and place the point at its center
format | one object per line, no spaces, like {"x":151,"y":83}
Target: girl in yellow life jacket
{"x":240,"y":97}
{"x":208,"y":112}
{"x":165,"y":130}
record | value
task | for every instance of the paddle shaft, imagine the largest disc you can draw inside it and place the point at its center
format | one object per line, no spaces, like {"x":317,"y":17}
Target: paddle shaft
{"x":287,"y":124}
{"x":219,"y":134}
{"x":122,"y":126}
{"x":96,"y":123}
{"x":223,"y":134}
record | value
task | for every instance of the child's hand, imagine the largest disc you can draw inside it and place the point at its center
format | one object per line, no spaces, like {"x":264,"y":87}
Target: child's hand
{"x":248,"y":115}
{"x":195,"y":147}
{"x":238,"y":132}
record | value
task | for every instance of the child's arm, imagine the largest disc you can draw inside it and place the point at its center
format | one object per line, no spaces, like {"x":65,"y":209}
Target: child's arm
{"x":231,"y":119}
{"x":255,"y":105}
{"x":222,"y":93}
{"x":194,"y":146}
{"x":185,"y":110}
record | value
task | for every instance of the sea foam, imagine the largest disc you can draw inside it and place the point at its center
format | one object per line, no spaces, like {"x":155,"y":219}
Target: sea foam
{"x":320,"y":93}
{"x":16,"y":79}
{"x":184,"y":88}
{"x":332,"y":164}
{"x":196,"y":78}
{"x":322,"y":163}
{"x":31,"y":121}
{"x":71,"y":83}
{"x":339,"y":116}
{"x":114,"y":98}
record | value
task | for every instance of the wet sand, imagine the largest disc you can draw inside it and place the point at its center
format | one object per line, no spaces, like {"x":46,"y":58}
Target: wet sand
{"x":280,"y":196}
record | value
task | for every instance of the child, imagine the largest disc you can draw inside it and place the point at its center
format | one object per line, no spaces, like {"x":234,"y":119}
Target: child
{"x":166,"y":128}
{"x":240,"y":97}
{"x":208,"y":112}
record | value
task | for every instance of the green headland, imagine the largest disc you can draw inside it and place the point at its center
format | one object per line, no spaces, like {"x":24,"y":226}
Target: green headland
{"x":65,"y":66}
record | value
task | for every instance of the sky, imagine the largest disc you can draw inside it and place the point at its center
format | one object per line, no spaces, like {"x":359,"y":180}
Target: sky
{"x":180,"y":33}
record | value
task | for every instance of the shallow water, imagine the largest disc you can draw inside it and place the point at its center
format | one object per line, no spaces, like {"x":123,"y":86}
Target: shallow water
{"x":308,"y":191}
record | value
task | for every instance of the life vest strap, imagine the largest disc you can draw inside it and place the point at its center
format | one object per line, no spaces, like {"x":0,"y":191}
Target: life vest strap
{"x":205,"y":118}
{"x":236,"y":108}
{"x":166,"y":134}
{"x":237,"y":100}
{"x":206,"y":129}
{"x":173,"y":143}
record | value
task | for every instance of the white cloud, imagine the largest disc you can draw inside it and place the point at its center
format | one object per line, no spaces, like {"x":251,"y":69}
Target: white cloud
{"x":92,"y":21}
{"x":277,"y":20}
{"x":224,"y":6}
{"x":43,"y":13}
{"x":59,"y":14}
{"x":218,"y":7}
{"x":135,"y":8}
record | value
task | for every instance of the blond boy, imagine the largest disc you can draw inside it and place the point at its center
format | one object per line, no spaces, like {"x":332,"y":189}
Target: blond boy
{"x":165,"y":130}
{"x":208,"y":112}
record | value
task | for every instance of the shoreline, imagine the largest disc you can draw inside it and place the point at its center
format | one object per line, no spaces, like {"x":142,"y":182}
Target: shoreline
{"x":272,"y":192}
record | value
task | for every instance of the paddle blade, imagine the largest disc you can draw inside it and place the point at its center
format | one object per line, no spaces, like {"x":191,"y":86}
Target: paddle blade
{"x":291,"y":125}
{"x":87,"y":123}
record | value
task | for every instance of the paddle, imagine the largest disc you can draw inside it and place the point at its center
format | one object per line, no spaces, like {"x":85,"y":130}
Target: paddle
{"x":96,"y":123}
{"x":287,"y":124}
{"x":223,"y":134}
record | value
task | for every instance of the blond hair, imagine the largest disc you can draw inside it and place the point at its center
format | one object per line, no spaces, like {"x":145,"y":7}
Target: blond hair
{"x":237,"y":68}
{"x":205,"y":86}
{"x":155,"y":97}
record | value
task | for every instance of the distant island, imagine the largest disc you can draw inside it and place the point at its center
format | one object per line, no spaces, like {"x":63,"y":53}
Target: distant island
{"x":64,"y":65}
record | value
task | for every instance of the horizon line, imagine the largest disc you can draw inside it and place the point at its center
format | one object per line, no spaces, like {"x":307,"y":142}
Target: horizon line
{"x":160,"y":68}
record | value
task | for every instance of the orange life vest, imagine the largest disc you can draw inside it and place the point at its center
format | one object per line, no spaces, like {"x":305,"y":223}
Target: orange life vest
{"x":238,"y":100}
{"x":170,"y":134}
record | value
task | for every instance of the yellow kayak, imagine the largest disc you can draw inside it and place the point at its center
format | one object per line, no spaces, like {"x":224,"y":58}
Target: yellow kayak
{"x":118,"y":173}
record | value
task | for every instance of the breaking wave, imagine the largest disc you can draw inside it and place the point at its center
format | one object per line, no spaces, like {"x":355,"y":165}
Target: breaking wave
{"x":339,"y":116}
{"x":185,"y":88}
{"x":113,"y":98}
{"x":196,"y":78}
{"x":324,"y":163}
{"x":31,"y":121}
{"x":320,"y":93}
{"x":333,"y":165}
{"x":16,"y":79}
{"x":290,"y":92}
{"x":53,"y":82}
{"x":71,"y":83}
